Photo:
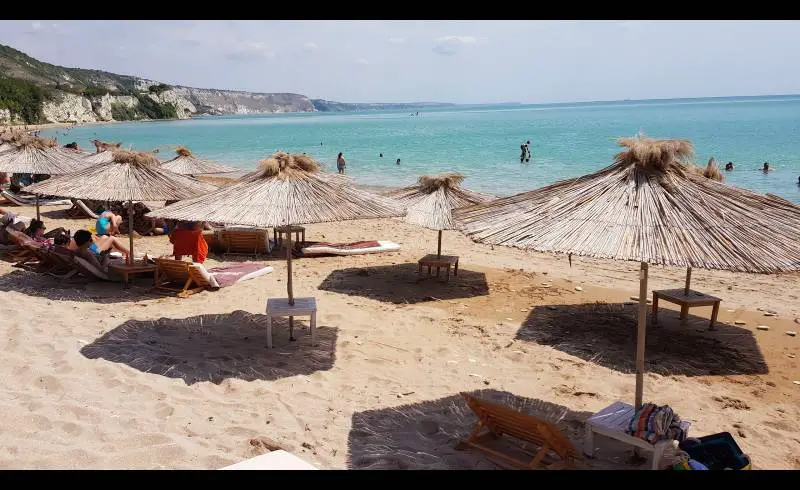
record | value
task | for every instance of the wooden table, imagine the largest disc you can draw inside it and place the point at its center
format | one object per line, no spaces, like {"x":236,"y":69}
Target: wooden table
{"x":686,"y":301}
{"x":279,"y":231}
{"x":439,"y":261}
{"x":613,"y":421}
{"x":127,"y":270}
{"x":279,"y":307}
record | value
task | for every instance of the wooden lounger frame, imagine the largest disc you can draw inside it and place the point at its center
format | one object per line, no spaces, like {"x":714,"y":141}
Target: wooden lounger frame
{"x":241,"y":242}
{"x":495,"y":420}
{"x":171,"y":271}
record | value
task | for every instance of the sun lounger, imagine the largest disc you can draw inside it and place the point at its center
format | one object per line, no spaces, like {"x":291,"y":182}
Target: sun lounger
{"x":21,"y":254}
{"x":81,"y":207}
{"x":275,"y":460}
{"x":245,"y":242}
{"x":20,"y":200}
{"x":613,"y":421}
{"x":356,"y":248}
{"x":195,"y":278}
{"x":556,"y":451}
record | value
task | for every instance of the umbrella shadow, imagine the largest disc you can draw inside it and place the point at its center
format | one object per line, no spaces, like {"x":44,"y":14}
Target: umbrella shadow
{"x":214,"y":348}
{"x":75,"y":288}
{"x":401,"y":284}
{"x":606,"y":334}
{"x":424,"y":435}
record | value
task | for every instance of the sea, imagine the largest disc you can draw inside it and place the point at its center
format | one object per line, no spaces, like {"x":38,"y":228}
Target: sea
{"x":483,"y":142}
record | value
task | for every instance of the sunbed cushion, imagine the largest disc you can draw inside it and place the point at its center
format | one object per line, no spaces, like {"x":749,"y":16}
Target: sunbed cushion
{"x":205,"y":275}
{"x":233,"y":273}
{"x":355,"y":248}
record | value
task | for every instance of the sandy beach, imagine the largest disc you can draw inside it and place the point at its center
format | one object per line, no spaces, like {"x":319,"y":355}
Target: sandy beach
{"x":96,"y":376}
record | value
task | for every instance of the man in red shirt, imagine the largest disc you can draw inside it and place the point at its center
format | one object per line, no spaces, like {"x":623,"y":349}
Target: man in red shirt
{"x":187,"y":239}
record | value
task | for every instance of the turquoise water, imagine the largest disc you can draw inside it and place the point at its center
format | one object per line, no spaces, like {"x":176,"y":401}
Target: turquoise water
{"x":567,"y":140}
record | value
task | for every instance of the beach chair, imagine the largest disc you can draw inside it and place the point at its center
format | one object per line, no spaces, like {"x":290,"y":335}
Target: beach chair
{"x":177,"y":272}
{"x":355,"y":248}
{"x":20,"y":254}
{"x":555,"y":450}
{"x":245,"y":242}
{"x":170,"y":272}
{"x":16,"y":199}
{"x":81,"y":207}
{"x":64,"y":259}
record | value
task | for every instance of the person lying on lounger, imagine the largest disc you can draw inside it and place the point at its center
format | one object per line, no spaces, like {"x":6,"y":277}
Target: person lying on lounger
{"x":188,"y":239}
{"x":9,"y":220}
{"x":36,"y":230}
{"x":99,"y":244}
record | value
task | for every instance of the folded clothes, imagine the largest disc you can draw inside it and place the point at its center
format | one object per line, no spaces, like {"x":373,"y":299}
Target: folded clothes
{"x":653,"y":423}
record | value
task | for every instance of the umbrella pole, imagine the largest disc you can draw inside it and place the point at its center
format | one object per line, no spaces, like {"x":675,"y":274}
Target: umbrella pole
{"x":641,"y":335}
{"x":289,"y":281}
{"x":37,"y":207}
{"x":130,"y":232}
{"x":439,"y":250}
{"x":688,"y":281}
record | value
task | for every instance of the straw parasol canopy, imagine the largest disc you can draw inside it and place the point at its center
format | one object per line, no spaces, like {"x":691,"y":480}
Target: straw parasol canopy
{"x":287,"y":189}
{"x":188,"y":164}
{"x":130,"y":176}
{"x":430,"y":203}
{"x":651,"y":205}
{"x":105,"y":156}
{"x":28,"y":154}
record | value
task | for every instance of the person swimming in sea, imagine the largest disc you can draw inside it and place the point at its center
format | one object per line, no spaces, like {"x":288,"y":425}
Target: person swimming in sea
{"x":766,"y":168}
{"x":729,"y":166}
{"x":398,"y":161}
{"x":380,"y":155}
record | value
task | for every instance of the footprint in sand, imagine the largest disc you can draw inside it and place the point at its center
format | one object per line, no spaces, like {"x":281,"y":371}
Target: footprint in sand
{"x":71,"y":429}
{"x":163,"y":410}
{"x":734,"y":403}
{"x":49,"y":384}
{"x":41,"y":422}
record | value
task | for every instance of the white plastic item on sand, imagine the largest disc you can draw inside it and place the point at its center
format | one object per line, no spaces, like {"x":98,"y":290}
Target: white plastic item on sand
{"x":275,"y":460}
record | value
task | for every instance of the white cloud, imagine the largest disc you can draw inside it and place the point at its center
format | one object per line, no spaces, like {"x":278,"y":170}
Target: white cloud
{"x":450,"y":45}
{"x":36,"y":25}
{"x":309,"y":46}
{"x":250,"y":50}
{"x":397,"y":40}
{"x":361,"y":61}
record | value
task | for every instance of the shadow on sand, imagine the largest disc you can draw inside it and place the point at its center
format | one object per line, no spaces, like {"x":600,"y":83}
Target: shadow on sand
{"x":75,"y":288}
{"x":216,"y":347}
{"x":424,"y":435}
{"x":605,"y":334}
{"x":401,"y":284}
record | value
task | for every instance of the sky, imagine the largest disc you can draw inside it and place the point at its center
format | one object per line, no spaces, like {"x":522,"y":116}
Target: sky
{"x":443,"y":61}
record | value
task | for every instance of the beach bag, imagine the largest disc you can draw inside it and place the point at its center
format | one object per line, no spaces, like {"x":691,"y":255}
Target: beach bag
{"x":717,"y":452}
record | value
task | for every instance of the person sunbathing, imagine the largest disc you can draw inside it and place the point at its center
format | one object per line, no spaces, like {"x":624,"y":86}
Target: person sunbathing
{"x":9,"y":221}
{"x":188,"y":239}
{"x":101,"y":244}
{"x":36,"y":230}
{"x":108,"y":223}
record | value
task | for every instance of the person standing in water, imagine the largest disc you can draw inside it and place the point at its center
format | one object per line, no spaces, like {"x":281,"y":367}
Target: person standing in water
{"x":340,"y":163}
{"x":522,"y":153}
{"x":528,"y":151}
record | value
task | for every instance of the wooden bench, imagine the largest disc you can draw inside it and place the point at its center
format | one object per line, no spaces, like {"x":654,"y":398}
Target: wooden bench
{"x":280,"y":307}
{"x":680,"y":297}
{"x":439,"y":261}
{"x":127,"y":270}
{"x":613,"y":422}
{"x":495,"y":420}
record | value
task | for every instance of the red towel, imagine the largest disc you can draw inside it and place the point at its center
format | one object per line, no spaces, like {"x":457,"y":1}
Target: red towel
{"x":189,"y":242}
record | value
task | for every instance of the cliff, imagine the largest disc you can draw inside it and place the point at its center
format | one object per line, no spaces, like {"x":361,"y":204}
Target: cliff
{"x":33,"y":91}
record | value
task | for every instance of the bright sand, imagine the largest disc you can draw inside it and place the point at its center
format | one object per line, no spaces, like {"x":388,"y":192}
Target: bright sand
{"x":94,"y":376}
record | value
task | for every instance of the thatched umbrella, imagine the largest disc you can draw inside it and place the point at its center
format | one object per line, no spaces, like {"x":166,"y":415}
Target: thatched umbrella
{"x":130,"y":176}
{"x":430,"y":203}
{"x":285,"y":190}
{"x":650,"y":206}
{"x":105,"y":156}
{"x":188,"y":164}
{"x":32,"y":155}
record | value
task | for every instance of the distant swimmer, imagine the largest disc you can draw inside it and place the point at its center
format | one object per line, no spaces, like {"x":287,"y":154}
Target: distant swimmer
{"x":417,"y":113}
{"x":766,"y":168}
{"x":381,"y":155}
{"x":729,"y":166}
{"x":320,"y":143}
{"x":398,"y":161}
{"x":340,"y":163}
